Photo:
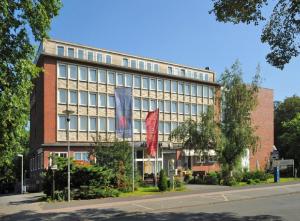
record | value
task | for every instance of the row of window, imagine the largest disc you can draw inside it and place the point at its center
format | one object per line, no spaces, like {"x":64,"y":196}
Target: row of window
{"x":82,"y":54}
{"x":144,"y":104}
{"x":108,"y":124}
{"x":126,"y":62}
{"x":136,"y":81}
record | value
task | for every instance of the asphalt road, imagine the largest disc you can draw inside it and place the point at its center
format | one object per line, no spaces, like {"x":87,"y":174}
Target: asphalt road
{"x":261,"y":203}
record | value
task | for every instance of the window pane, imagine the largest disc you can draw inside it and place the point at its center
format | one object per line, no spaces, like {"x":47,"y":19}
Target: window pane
{"x":62,"y":71}
{"x":199,"y":109}
{"x":62,"y":122}
{"x":93,"y":99}
{"x":145,"y":105}
{"x":92,"y":75}
{"x":205,"y":107}
{"x":141,"y":65}
{"x":111,"y":124}
{"x":125,"y":62}
{"x":174,"y":107}
{"x":194,"y":90}
{"x":73,"y":72}
{"x":180,"y":108}
{"x":176,"y":71}
{"x":111,"y":78}
{"x":102,"y":76}
{"x":180,"y":88}
{"x":152,"y":105}
{"x":153,"y":84}
{"x":143,"y":126}
{"x":85,"y":156}
{"x":102,"y":124}
{"x":120,"y":79}
{"x":128,"y":80}
{"x":187,"y":89}
{"x":167,"y":85}
{"x":137,"y":81}
{"x":211,"y":92}
{"x":161,"y":127}
{"x":99,"y":57}
{"x":156,"y":68}
{"x":137,"y":126}
{"x":149,"y":67}
{"x":71,"y":52}
{"x":83,"y":73}
{"x":80,"y":54}
{"x":205,"y":91}
{"x":73,"y":122}
{"x":137,"y":103}
{"x":167,"y":107}
{"x":167,"y":127}
{"x":133,"y":63}
{"x":90,"y":56}
{"x":102,"y":100}
{"x":160,"y":85}
{"x":161,"y":106}
{"x":93,"y":123}
{"x":83,"y":95}
{"x":60,"y":51}
{"x":73,"y":97}
{"x":77,"y":156}
{"x":206,"y":77}
{"x":173,"y":125}
{"x":194,"y":109}
{"x":182,"y":72}
{"x":146,"y":83}
{"x":108,"y":59}
{"x":174,"y":87}
{"x":83,"y":123}
{"x":199,"y":90}
{"x":62,"y":94}
{"x":187,"y":109}
{"x":189,"y":74}
{"x":111,"y":101}
{"x":170,"y":70}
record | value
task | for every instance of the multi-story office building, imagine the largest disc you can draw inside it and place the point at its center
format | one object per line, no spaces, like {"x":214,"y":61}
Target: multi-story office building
{"x":82,"y":79}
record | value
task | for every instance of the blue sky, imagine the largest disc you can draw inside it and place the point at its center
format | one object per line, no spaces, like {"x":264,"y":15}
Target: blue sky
{"x":179,"y":31}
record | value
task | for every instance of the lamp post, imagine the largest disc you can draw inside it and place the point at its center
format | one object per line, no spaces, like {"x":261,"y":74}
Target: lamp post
{"x":68,"y":112}
{"x":53,"y":168}
{"x":21,"y":155}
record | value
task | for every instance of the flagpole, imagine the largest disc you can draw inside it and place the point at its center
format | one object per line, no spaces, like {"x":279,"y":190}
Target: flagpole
{"x":156,"y":164}
{"x":132,"y":140}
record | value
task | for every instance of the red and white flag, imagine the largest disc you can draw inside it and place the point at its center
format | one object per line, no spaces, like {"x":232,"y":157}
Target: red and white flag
{"x":152,"y":120}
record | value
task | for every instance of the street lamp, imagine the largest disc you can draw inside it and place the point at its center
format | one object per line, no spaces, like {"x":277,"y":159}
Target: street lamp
{"x":21,"y":155}
{"x":53,"y":168}
{"x":68,"y":112}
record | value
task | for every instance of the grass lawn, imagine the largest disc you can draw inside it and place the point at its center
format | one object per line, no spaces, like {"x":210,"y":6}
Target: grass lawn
{"x":271,"y":180}
{"x":150,"y":190}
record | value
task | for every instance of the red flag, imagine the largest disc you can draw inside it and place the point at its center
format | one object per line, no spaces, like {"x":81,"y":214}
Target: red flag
{"x":152,"y":120}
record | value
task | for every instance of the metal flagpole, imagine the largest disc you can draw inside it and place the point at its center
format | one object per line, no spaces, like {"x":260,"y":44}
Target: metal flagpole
{"x":132,"y":140}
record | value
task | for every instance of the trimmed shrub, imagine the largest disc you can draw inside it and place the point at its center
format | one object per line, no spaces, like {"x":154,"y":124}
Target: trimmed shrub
{"x":162,"y":183}
{"x":212,"y":178}
{"x":230,"y":181}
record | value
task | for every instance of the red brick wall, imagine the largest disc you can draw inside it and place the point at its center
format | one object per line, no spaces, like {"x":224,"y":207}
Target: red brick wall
{"x":49,"y":100}
{"x":263,"y":119}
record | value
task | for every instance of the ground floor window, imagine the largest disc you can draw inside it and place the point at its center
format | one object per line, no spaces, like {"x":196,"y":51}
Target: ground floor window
{"x":81,"y":156}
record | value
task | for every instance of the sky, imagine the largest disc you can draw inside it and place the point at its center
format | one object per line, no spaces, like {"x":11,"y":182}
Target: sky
{"x":178,"y":31}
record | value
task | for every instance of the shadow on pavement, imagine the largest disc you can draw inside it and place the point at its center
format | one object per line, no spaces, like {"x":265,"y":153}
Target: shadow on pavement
{"x":112,"y":214}
{"x":28,"y":200}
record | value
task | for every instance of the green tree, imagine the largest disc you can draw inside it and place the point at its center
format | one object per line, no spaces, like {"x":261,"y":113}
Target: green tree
{"x":199,"y":136}
{"x":291,"y":138}
{"x":116,"y":156}
{"x":19,"y":20}
{"x":238,"y":101}
{"x":281,"y":31}
{"x":285,"y":111}
{"x":162,"y":183}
